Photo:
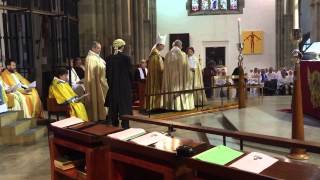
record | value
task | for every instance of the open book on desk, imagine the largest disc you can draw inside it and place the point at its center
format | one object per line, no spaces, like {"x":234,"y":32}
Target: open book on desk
{"x":149,"y":138}
{"x":81,"y":97}
{"x":13,"y":88}
{"x":128,"y":134}
{"x":67,"y":122}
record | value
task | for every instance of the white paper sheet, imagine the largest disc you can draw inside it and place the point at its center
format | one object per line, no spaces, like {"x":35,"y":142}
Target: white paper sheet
{"x":3,"y":108}
{"x":67,"y":122}
{"x":32,"y":85}
{"x":128,"y":134}
{"x":254,"y":162}
{"x":149,"y":138}
{"x":13,"y":88}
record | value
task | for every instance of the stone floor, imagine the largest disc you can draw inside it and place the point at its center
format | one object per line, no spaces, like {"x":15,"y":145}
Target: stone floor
{"x":32,"y":162}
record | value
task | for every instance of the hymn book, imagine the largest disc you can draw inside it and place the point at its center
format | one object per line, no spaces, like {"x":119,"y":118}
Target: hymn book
{"x":220,"y":155}
{"x":128,"y":134}
{"x":149,"y":138}
{"x":67,"y":122}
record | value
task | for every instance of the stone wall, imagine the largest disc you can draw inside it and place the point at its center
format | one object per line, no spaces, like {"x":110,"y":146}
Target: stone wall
{"x":106,"y":20}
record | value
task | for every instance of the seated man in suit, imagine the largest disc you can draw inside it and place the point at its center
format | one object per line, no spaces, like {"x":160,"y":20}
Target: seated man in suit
{"x":63,"y":93}
{"x":11,"y":77}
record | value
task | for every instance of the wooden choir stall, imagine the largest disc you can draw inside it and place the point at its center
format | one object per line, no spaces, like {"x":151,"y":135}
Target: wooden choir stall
{"x":94,"y":151}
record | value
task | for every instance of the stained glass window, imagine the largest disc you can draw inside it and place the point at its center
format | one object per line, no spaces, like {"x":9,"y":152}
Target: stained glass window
{"x":223,"y":4}
{"x":195,"y":5}
{"x":204,"y":7}
{"x":233,"y":4}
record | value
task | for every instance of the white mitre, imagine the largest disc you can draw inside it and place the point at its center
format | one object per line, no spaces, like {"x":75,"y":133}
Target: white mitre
{"x":160,"y":40}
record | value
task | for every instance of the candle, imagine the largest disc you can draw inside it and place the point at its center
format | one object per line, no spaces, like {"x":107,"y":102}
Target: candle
{"x":239,"y":31}
{"x":295,"y":14}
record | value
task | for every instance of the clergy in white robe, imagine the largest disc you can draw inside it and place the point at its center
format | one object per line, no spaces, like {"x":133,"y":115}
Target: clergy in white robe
{"x":196,"y":74}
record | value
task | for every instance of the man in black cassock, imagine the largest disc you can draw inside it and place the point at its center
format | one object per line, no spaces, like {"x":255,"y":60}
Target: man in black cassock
{"x":119,"y":77}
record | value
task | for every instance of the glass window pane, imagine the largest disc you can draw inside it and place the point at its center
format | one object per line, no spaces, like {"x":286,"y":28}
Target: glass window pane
{"x":233,"y":4}
{"x":195,"y":5}
{"x":205,"y":5}
{"x":223,"y":4}
{"x":214,"y":5}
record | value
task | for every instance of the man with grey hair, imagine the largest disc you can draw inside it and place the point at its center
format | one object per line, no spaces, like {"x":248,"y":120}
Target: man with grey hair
{"x":95,"y":83}
{"x":177,"y":77}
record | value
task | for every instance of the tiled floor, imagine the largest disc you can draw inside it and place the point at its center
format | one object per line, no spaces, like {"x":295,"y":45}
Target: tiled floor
{"x":32,"y":162}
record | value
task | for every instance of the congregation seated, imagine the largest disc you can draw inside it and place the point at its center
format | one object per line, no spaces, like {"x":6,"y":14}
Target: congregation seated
{"x":271,"y":74}
{"x":64,"y":94}
{"x":18,"y":87}
{"x":284,"y":84}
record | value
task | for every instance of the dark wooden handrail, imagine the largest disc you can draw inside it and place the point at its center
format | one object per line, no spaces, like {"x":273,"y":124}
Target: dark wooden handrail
{"x":191,"y":90}
{"x":242,"y":136}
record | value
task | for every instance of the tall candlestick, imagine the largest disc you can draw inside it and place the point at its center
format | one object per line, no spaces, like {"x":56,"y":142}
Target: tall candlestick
{"x":239,"y":30}
{"x":296,"y":14}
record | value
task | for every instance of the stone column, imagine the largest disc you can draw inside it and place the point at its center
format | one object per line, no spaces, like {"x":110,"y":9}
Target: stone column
{"x":135,"y":30}
{"x":99,"y":20}
{"x":87,"y":25}
{"x":315,"y":14}
{"x":126,"y":25}
{"x":141,"y":28}
{"x":283,"y":37}
{"x":118,"y":18}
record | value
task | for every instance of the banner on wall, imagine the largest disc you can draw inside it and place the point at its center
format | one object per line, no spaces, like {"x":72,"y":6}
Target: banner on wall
{"x":252,"y":42}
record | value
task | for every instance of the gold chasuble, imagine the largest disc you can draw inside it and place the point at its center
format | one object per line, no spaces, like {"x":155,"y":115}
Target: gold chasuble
{"x":96,"y":86}
{"x":15,"y":100}
{"x":154,"y":80}
{"x":63,"y":93}
{"x":32,"y":98}
{"x":177,"y":77}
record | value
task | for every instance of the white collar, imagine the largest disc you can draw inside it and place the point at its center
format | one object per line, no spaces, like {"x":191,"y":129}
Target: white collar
{"x":93,"y":53}
{"x":60,"y":80}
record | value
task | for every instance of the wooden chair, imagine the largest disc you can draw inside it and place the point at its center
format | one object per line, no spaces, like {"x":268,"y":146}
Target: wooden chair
{"x":57,"y":109}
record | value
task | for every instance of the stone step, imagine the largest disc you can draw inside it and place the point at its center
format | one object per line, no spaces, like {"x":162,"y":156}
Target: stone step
{"x":33,"y":121}
{"x":15,"y":128}
{"x":28,"y":137}
{"x":10,"y":117}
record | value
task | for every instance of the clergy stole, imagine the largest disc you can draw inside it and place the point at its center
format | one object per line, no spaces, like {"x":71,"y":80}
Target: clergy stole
{"x":3,"y":105}
{"x":63,"y":93}
{"x":33,"y":101}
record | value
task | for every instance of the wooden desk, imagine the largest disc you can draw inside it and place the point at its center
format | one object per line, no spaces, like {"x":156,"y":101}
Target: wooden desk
{"x":130,"y":160}
{"x":279,"y":170}
{"x":112,"y":159}
{"x":93,"y":157}
{"x":84,"y":141}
